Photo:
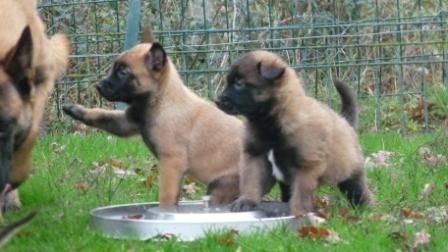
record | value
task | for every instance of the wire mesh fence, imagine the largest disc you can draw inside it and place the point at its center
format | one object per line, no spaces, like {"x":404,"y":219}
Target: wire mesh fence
{"x":394,"y":53}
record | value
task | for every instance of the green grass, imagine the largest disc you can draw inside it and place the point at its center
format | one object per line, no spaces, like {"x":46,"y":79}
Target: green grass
{"x":62,"y":162}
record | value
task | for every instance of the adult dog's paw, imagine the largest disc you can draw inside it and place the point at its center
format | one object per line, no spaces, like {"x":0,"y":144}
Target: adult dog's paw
{"x":74,"y":111}
{"x":240,"y":205}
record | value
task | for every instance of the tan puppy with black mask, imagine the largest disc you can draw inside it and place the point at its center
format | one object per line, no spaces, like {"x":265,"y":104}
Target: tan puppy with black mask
{"x":312,"y":145}
{"x":188,"y":134}
{"x":29,"y":65}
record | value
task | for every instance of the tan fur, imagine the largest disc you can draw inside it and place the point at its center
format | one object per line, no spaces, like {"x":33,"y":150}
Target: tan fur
{"x":327,"y":143}
{"x":188,"y":134}
{"x":49,"y":56}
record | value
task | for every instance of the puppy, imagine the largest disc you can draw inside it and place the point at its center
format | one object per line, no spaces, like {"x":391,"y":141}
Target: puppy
{"x":312,"y":145}
{"x":185,"y":132}
{"x":29,"y":65}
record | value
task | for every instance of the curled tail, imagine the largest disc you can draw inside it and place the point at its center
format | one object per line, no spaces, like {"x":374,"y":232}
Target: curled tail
{"x":349,"y":107}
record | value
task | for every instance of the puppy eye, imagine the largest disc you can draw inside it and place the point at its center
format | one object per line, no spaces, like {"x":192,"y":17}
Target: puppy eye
{"x":123,"y":71}
{"x":239,"y":85}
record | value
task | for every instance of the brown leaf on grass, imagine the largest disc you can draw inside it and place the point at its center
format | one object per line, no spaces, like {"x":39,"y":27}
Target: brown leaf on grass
{"x":322,"y":202}
{"x":80,"y":187}
{"x":446,"y":185}
{"x":427,"y":189}
{"x":150,"y":180}
{"x":115,"y":163}
{"x":421,"y":238}
{"x":317,"y":233}
{"x":409,"y":214}
{"x":227,"y":238}
{"x":344,"y":214}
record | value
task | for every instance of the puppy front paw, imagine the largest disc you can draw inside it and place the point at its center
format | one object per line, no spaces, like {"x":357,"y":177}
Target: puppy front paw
{"x":241,"y":205}
{"x":74,"y":111}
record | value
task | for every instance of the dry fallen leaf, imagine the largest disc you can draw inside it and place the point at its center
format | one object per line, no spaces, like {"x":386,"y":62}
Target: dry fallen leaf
{"x":344,"y":214}
{"x":322,"y":202}
{"x":80,"y":187}
{"x":409,"y":214}
{"x":228,"y":238}
{"x":427,"y":189}
{"x":115,"y":162}
{"x":421,"y":238}
{"x":313,"y":232}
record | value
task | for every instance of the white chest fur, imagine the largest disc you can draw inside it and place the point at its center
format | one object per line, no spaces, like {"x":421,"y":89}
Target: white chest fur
{"x":275,"y":170}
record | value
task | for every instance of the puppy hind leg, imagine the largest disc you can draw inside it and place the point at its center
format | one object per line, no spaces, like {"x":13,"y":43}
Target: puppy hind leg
{"x":223,"y":190}
{"x":356,"y":189}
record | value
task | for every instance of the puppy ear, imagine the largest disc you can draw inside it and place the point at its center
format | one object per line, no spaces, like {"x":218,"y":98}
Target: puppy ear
{"x":147,"y":36}
{"x":156,"y":58}
{"x":270,"y":71}
{"x":18,"y":62}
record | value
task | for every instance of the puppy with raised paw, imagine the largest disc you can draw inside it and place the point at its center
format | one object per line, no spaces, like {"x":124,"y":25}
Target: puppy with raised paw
{"x":187,"y":134}
{"x":312,"y":145}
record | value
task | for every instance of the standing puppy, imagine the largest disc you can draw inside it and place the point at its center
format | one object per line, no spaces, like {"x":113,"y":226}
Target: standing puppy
{"x":29,"y":65}
{"x":312,"y":145}
{"x":185,"y":132}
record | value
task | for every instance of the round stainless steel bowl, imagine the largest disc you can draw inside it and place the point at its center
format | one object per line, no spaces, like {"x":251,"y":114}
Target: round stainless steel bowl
{"x":190,"y":221}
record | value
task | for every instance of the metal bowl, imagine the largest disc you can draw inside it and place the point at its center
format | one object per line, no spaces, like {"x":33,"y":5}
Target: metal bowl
{"x":190,"y":221}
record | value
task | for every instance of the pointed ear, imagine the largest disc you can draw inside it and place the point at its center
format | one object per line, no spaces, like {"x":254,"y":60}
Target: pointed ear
{"x":147,"y":36}
{"x":270,"y":71}
{"x":18,"y":62}
{"x":156,"y":58}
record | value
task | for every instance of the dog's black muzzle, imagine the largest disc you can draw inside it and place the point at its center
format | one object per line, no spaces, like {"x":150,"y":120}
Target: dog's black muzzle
{"x":226,"y":105}
{"x":6,"y":153}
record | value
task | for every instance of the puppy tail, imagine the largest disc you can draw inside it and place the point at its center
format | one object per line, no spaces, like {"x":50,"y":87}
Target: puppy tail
{"x":349,"y":107}
{"x":60,"y":47}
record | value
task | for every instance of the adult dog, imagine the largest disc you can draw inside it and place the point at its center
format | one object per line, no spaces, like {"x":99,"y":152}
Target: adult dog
{"x":29,"y":65}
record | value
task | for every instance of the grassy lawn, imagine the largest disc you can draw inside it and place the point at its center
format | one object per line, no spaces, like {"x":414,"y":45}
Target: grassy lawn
{"x":74,"y":174}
